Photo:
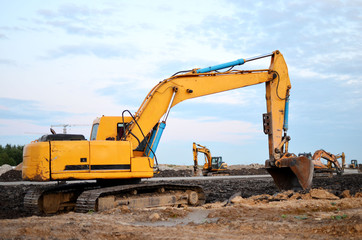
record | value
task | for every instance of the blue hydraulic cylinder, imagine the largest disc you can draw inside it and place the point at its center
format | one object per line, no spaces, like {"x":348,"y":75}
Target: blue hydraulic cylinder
{"x":286,"y":113}
{"x":221,"y":66}
{"x":155,"y":139}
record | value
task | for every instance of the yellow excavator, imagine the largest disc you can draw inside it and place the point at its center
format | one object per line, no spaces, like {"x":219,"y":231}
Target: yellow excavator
{"x":121,"y":149}
{"x":354,"y":164}
{"x":212,"y":165}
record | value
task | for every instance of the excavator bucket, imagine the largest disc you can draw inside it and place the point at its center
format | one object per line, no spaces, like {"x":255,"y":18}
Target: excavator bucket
{"x":294,"y":173}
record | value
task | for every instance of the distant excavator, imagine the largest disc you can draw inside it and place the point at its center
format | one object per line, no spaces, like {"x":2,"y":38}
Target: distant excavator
{"x":212,"y":166}
{"x":332,"y":164}
{"x":354,"y":164}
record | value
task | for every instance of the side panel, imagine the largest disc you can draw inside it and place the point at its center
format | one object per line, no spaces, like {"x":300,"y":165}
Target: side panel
{"x":143,"y":165}
{"x":36,"y":161}
{"x":69,"y":157}
{"x":108,"y":156}
{"x":84,"y":160}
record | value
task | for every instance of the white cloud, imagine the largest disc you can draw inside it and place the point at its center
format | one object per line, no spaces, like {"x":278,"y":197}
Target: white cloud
{"x":21,"y":127}
{"x":3,"y":107}
{"x":234,"y":97}
{"x":228,"y":131}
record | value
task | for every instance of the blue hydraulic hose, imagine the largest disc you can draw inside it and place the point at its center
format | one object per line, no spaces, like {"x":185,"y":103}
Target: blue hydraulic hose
{"x":221,"y":66}
{"x":240,"y":61}
{"x":286,"y":113}
{"x":155,"y":139}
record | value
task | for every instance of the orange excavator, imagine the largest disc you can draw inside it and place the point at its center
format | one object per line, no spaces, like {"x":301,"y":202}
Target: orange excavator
{"x":332,"y":164}
{"x":121,"y":150}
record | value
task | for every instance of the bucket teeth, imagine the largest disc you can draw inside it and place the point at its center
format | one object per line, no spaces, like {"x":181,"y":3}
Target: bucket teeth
{"x":294,"y":173}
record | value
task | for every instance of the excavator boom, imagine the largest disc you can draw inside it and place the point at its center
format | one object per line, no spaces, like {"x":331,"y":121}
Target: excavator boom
{"x":201,"y":82}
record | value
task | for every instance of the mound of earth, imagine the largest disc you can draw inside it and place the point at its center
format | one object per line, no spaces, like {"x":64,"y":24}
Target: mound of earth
{"x":174,"y":173}
{"x":11,"y":176}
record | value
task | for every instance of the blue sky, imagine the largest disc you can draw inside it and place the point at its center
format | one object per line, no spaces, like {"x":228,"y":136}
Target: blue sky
{"x":67,"y":62}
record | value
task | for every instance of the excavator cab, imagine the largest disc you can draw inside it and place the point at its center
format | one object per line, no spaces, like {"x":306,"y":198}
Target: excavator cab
{"x":217,"y":163}
{"x":307,"y":155}
{"x":354,"y":164}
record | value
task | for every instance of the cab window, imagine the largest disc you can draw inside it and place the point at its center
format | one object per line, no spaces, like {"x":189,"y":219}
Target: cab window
{"x":94,"y":131}
{"x":120,"y":130}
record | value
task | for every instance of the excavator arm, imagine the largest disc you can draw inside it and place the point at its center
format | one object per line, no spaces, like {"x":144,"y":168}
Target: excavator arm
{"x":287,"y":170}
{"x":176,"y":89}
{"x":196,"y":148}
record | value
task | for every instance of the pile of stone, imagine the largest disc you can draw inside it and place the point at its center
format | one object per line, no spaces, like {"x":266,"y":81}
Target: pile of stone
{"x":5,"y":168}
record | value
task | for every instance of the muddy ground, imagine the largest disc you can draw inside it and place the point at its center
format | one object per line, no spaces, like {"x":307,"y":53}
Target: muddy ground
{"x":231,"y":172}
{"x":332,"y":210}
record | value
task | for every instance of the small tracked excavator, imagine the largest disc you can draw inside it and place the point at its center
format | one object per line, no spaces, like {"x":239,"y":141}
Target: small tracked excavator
{"x":121,"y":149}
{"x":212,"y":165}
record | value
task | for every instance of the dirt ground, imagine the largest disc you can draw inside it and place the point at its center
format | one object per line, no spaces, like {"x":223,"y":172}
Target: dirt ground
{"x":282,"y":216}
{"x":331,"y":210}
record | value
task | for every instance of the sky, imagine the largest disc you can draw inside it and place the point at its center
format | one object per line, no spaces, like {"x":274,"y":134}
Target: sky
{"x":68,"y":62}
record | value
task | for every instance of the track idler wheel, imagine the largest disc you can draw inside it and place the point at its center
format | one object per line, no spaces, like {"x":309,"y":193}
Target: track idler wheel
{"x":293,"y":173}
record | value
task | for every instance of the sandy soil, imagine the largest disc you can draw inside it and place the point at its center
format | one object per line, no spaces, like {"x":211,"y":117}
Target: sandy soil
{"x":331,"y":210}
{"x":315,"y":215}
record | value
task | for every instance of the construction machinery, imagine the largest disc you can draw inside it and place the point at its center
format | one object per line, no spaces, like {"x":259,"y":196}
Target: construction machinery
{"x":212,"y":165}
{"x":354,"y":164}
{"x":332,"y":164}
{"x":121,"y":149}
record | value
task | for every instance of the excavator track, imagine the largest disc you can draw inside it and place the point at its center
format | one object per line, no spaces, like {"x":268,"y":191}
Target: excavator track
{"x":139,"y":196}
{"x":31,"y":200}
{"x":86,"y":197}
{"x":54,"y":199}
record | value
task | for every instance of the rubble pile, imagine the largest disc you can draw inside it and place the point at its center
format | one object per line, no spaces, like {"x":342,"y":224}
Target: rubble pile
{"x":11,"y":176}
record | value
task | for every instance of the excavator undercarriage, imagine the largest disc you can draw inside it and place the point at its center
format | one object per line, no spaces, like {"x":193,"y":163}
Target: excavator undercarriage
{"x":88,"y":197}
